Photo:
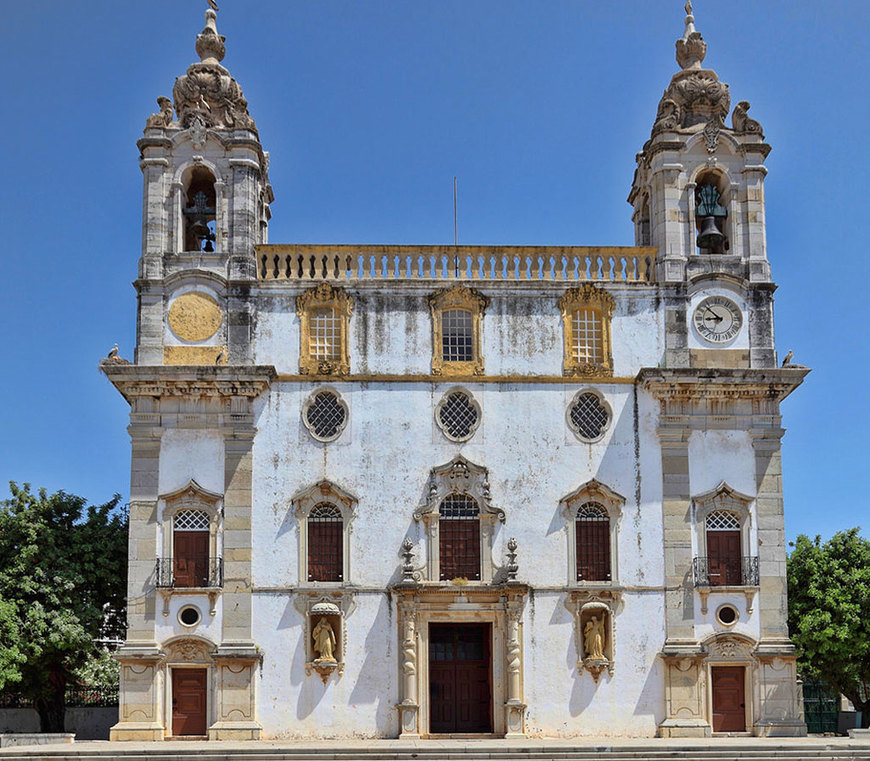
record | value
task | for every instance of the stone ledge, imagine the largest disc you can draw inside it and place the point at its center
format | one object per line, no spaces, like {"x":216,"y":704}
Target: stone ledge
{"x":16,"y":739}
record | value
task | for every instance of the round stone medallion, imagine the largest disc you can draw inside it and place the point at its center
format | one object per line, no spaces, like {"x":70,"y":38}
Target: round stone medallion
{"x":195,"y":316}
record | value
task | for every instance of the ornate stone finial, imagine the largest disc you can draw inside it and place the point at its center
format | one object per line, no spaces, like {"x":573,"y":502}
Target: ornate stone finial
{"x":210,"y":45}
{"x":408,"y":560}
{"x":207,"y":95}
{"x":512,"y":566}
{"x":691,"y":48}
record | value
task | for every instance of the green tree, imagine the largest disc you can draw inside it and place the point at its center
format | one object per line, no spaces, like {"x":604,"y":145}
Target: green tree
{"x":62,"y":574}
{"x":829,"y":612}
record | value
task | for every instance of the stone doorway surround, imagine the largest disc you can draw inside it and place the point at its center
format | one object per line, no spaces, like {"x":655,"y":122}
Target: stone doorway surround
{"x":501,"y":606}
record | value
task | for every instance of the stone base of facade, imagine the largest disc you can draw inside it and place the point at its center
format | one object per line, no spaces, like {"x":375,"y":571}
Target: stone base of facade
{"x":234,"y":730}
{"x":135,"y":731}
{"x":684,"y":728}
{"x":784,"y":728}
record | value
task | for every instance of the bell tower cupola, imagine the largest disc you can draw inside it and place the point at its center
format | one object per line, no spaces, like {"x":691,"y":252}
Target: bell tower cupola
{"x":698,"y":190}
{"x":206,"y":203}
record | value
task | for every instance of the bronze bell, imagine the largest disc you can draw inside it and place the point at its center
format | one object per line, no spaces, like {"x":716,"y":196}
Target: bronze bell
{"x":710,"y":237}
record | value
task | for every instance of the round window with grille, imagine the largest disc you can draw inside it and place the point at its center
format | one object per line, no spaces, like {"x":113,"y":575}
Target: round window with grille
{"x":588,"y":416}
{"x":458,"y":415}
{"x":325,"y":415}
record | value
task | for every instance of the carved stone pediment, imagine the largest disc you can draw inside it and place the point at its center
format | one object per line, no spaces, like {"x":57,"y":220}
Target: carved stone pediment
{"x":459,"y":476}
{"x":189,"y":650}
{"x":730,"y":648}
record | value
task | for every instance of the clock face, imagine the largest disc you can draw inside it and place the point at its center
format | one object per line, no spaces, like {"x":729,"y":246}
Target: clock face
{"x":718,"y":319}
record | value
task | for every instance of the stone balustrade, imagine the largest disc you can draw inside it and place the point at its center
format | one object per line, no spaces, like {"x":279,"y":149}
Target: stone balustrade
{"x":613,"y":264}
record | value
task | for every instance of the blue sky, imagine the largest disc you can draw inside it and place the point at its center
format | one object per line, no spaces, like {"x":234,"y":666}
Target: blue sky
{"x":369,"y":107}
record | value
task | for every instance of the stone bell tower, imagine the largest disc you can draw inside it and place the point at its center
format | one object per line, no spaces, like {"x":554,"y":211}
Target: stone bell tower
{"x":206,"y":205}
{"x":698,"y":196}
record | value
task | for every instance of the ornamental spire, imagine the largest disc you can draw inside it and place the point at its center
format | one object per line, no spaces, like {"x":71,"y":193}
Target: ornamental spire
{"x":691,"y":48}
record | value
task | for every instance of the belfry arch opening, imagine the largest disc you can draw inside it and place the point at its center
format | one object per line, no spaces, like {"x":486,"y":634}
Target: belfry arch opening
{"x":200,"y":211}
{"x":711,"y":214}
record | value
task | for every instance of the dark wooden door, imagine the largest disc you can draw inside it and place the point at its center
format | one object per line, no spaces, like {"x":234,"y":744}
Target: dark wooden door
{"x":729,"y":699}
{"x":190,"y":567}
{"x":460,"y":693}
{"x":723,"y":557}
{"x":188,"y":702}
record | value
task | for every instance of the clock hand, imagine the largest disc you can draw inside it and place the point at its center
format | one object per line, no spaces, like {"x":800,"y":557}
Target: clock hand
{"x":714,"y":316}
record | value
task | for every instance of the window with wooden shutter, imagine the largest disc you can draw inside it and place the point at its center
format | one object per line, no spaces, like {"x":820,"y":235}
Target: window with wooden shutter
{"x":724,"y":564}
{"x":459,"y":538}
{"x":592,"y":533}
{"x":190,"y":566}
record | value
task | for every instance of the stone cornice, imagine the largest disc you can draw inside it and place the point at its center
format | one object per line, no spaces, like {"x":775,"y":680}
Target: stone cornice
{"x":188,"y":381}
{"x":701,"y":384}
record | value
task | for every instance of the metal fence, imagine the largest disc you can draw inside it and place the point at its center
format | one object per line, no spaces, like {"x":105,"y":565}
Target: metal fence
{"x":76,"y":695}
{"x":821,"y":708}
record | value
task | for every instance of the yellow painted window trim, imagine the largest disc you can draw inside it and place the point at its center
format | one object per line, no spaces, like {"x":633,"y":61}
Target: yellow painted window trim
{"x":457,"y":297}
{"x":324,"y":296}
{"x":601,"y":302}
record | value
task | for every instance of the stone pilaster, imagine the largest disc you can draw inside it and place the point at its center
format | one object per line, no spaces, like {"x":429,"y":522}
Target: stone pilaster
{"x":140,"y":712}
{"x":781,"y":700}
{"x":686,"y":714}
{"x":409,"y":708}
{"x":237,"y":657}
{"x":515,"y":708}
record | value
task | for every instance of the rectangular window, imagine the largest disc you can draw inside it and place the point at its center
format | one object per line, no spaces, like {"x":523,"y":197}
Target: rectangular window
{"x":325,"y":335}
{"x":593,"y":550}
{"x":457,"y":335}
{"x":459,"y":548}
{"x":586,"y":337}
{"x":325,"y":550}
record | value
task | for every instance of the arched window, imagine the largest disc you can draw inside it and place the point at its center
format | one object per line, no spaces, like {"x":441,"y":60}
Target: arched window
{"x":459,"y":538}
{"x":325,"y":527}
{"x":592,"y":535}
{"x":710,"y":215}
{"x":325,"y":513}
{"x":586,"y":314}
{"x":724,"y":556}
{"x":190,"y":550}
{"x":200,"y":211}
{"x":592,"y":515}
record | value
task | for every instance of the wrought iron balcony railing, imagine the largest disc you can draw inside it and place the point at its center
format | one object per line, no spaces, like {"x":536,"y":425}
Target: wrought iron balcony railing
{"x":715,"y":572}
{"x":182,"y":573}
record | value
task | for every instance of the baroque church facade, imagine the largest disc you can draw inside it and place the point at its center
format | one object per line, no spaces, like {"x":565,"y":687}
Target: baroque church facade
{"x":412,"y":491}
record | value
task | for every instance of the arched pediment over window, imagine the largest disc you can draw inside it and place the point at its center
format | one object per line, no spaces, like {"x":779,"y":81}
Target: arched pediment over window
{"x":459,"y":477}
{"x":723,"y":496}
{"x":192,"y":492}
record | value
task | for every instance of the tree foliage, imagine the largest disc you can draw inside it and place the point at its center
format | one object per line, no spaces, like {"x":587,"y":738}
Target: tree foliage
{"x":62,"y":583}
{"x":829,"y":612}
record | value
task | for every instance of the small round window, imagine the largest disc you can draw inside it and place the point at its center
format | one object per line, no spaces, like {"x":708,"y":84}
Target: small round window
{"x":458,"y":415}
{"x":189,"y":616}
{"x":325,"y":415}
{"x":588,"y":416}
{"x":727,"y":615}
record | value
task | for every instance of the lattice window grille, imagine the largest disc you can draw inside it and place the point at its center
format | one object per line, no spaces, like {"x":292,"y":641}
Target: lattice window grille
{"x":586,"y":338}
{"x":190,"y":520}
{"x":592,"y":511}
{"x":325,"y":334}
{"x":325,"y":512}
{"x":326,"y":416}
{"x":458,"y":416}
{"x":722,"y":520}
{"x":459,"y":506}
{"x":457,"y":335}
{"x":588,"y":416}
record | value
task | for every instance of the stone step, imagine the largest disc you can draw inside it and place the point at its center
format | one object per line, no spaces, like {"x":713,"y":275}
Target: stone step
{"x":718,"y":749}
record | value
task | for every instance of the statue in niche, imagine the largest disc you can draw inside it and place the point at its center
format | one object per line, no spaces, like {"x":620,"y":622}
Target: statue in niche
{"x":324,"y":640}
{"x":593,"y":638}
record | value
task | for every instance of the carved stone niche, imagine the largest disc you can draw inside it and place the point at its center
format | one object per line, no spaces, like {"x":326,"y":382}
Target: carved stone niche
{"x":325,"y":632}
{"x":595,"y":629}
